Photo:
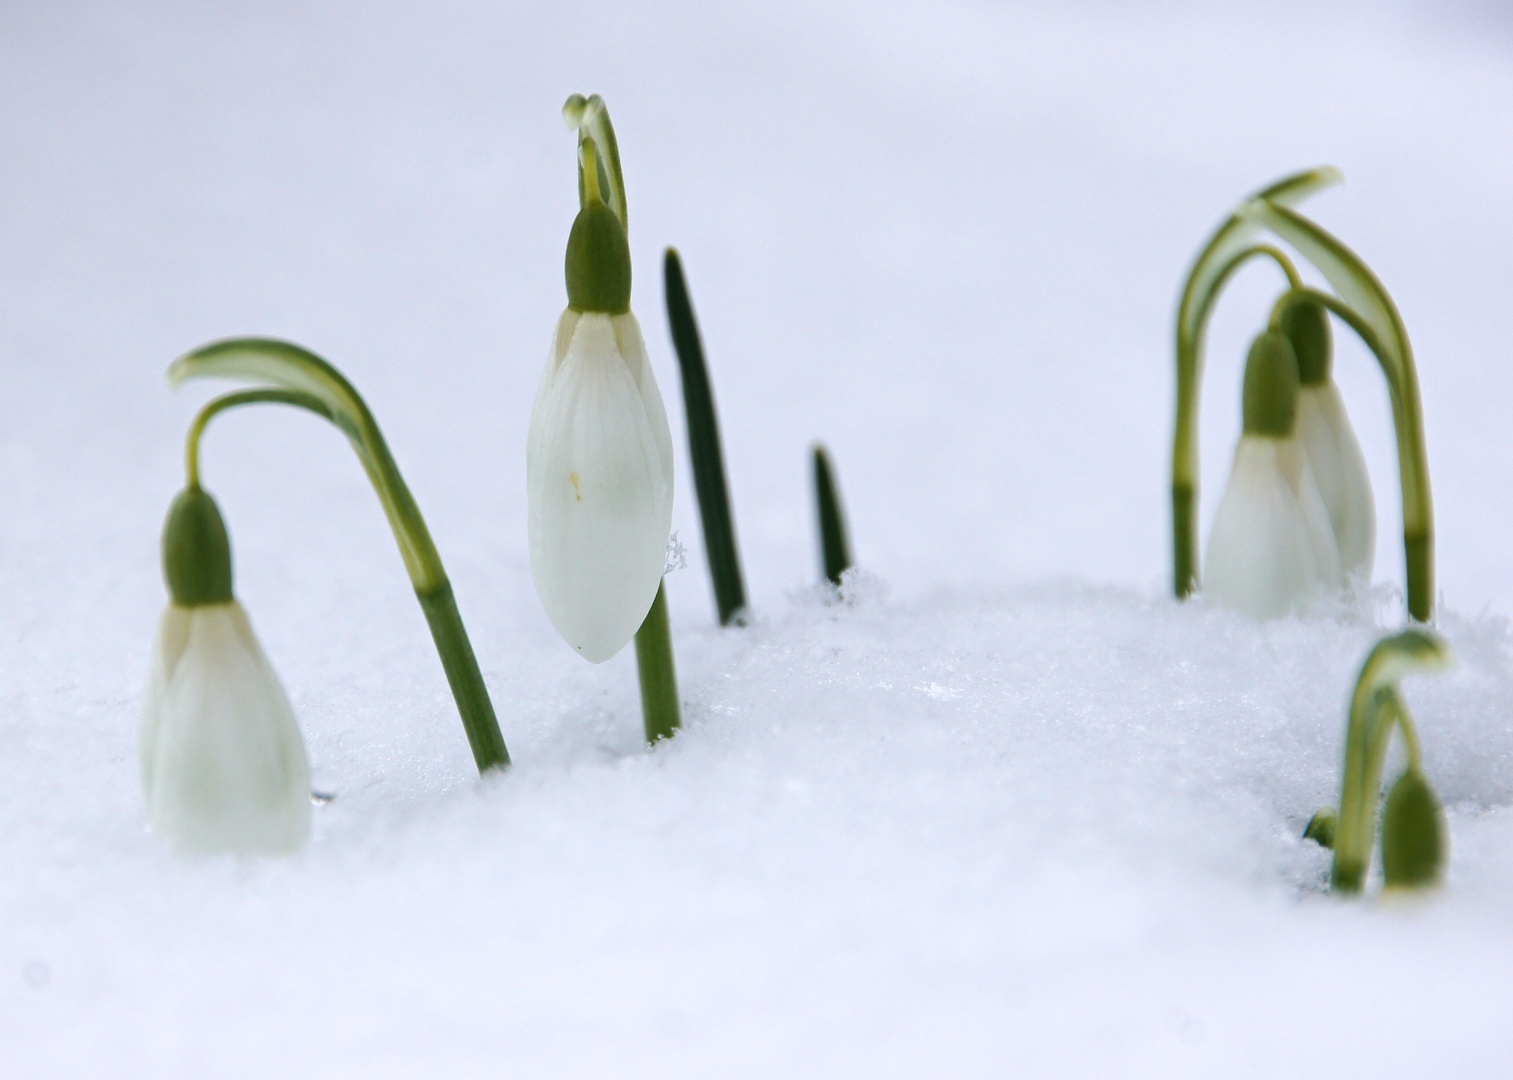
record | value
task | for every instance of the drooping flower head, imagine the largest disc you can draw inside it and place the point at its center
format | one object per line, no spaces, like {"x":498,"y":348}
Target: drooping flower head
{"x":222,"y":761}
{"x":1272,"y":546}
{"x":599,"y":450}
{"x":1327,"y":438}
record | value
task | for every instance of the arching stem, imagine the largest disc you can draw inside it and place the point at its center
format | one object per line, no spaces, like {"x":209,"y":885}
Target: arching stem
{"x":219,"y":405}
{"x":599,"y":154}
{"x":1368,"y":301}
{"x":1375,"y":709}
{"x":1191,"y":323}
{"x":306,"y":381}
{"x":1412,"y":455}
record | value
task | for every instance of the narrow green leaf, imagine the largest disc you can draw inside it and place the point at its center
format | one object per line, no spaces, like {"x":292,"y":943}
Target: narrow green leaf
{"x":704,"y":446}
{"x":835,"y":547}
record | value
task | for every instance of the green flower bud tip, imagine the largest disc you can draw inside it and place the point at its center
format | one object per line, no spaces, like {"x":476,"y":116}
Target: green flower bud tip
{"x":1320,"y":828}
{"x":598,"y":262}
{"x":196,"y":551}
{"x":1413,"y":833}
{"x":1270,"y":401}
{"x":1306,"y":325}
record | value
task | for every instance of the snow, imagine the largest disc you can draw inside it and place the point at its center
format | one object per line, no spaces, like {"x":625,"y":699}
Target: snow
{"x":1007,"y":808}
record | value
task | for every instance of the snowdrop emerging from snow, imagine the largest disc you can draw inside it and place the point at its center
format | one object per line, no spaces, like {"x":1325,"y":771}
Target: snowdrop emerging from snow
{"x":599,"y":451}
{"x":223,"y":764}
{"x":1327,"y":438}
{"x":1414,"y":842}
{"x":1272,"y":545}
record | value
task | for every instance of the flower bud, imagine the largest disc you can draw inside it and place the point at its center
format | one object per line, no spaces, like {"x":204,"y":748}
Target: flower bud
{"x":222,"y":761}
{"x":196,"y":551}
{"x":1320,"y":828}
{"x":1306,"y":325}
{"x":598,"y":262}
{"x":1271,"y":386}
{"x":1413,"y":833}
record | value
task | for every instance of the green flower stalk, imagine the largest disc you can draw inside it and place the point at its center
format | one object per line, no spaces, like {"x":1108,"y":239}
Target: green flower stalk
{"x":1364,"y":305}
{"x":598,"y":462}
{"x":704,"y":447}
{"x":835,"y":545}
{"x":1413,"y":829}
{"x":1227,"y":250}
{"x":300,"y":378}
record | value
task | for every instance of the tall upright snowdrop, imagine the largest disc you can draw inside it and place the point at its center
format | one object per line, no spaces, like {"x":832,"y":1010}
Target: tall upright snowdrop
{"x":1272,"y":546}
{"x":1413,"y":829}
{"x":599,"y":451}
{"x":222,"y":760}
{"x":1362,"y":303}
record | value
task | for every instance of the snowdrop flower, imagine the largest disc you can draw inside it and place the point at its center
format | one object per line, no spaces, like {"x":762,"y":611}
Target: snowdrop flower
{"x":599,"y":451}
{"x":1333,"y":452}
{"x":1272,"y":545}
{"x":223,"y":764}
{"x":1413,"y":831}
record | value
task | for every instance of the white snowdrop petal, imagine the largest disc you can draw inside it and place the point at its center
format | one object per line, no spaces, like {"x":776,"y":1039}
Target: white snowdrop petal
{"x":633,"y":349}
{"x":1266,"y":553}
{"x":1293,"y":463}
{"x":229,"y":771}
{"x":1339,"y":467}
{"x":599,"y":486}
{"x":167,"y":647}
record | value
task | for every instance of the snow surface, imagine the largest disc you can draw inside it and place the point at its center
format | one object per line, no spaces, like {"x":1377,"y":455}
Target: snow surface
{"x":1007,"y":809}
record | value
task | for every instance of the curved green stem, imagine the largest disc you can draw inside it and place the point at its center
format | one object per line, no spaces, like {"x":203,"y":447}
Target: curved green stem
{"x":599,"y":154}
{"x":1227,"y":249}
{"x":1375,"y":709}
{"x":1371,"y":307}
{"x":1410,"y":735}
{"x":296,"y":398}
{"x":1412,"y":455}
{"x":306,"y":381}
{"x":289,"y":366}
